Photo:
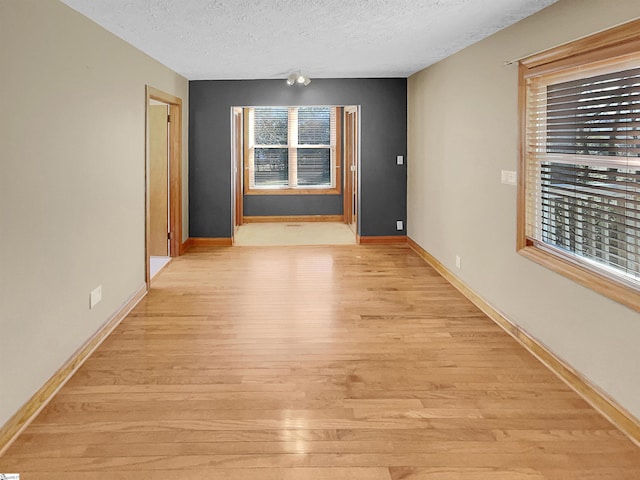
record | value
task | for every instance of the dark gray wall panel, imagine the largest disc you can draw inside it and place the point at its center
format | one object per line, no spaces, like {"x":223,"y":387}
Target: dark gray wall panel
{"x":383,"y":136}
{"x":282,"y":205}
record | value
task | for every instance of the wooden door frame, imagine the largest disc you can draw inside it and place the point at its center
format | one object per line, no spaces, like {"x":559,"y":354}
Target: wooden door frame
{"x":237,"y":166}
{"x":175,"y":173}
{"x":349,"y":190}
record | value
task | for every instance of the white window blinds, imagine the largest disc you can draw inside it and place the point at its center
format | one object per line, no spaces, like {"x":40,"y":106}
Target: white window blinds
{"x":316,"y":139}
{"x":270,"y":154}
{"x":582,"y":165}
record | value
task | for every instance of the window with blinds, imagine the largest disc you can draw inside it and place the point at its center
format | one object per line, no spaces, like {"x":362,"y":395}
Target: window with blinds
{"x":314,"y":146}
{"x":292,"y":148}
{"x":271,"y":152}
{"x":581,"y":175}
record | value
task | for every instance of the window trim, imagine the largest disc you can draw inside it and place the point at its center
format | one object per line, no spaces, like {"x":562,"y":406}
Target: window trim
{"x":615,"y":42}
{"x":335,"y":190}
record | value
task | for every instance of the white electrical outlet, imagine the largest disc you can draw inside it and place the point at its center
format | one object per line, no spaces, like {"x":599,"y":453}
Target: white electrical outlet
{"x":95,"y":296}
{"x":399,"y":225}
{"x":399,"y":160}
{"x":458,"y":262}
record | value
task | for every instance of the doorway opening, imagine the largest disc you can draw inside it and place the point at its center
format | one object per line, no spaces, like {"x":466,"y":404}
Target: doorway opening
{"x":163,"y":180}
{"x":294,"y":164}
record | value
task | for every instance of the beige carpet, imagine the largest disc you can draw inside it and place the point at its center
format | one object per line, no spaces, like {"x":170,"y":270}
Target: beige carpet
{"x":304,"y":233}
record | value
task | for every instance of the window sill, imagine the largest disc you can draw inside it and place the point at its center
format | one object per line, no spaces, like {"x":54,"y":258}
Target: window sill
{"x":602,"y":284}
{"x":292,"y":191}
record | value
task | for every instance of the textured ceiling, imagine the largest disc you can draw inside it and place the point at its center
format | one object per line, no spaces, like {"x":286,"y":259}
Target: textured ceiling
{"x":245,"y":39}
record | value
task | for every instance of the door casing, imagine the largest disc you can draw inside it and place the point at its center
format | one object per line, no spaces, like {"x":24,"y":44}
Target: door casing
{"x":351,"y":165}
{"x":237,"y":148}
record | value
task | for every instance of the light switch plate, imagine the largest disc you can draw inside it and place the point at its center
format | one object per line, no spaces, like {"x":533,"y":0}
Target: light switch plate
{"x":95,"y":296}
{"x":508,"y":177}
{"x":400,"y":160}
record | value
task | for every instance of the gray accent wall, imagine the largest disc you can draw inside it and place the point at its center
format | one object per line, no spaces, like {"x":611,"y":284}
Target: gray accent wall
{"x":383,"y":136}
{"x":283,"y":205}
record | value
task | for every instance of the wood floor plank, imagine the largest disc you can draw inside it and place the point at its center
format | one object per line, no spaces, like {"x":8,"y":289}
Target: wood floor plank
{"x":343,"y":362}
{"x":305,"y":473}
{"x":461,"y":447}
{"x":179,"y":461}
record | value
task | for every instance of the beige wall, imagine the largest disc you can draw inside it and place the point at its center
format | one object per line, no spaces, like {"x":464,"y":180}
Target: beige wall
{"x":463,"y":121}
{"x":72,"y":140}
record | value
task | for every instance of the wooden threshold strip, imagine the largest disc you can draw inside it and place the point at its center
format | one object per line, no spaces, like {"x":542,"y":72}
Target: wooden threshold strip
{"x":23,"y":417}
{"x":609,"y":408}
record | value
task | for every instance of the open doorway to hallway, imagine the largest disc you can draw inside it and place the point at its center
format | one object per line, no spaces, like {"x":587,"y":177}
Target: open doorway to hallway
{"x":163,"y":180}
{"x":158,"y":186}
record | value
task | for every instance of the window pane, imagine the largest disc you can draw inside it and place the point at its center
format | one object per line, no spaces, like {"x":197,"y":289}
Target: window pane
{"x":598,"y":115}
{"x":271,"y":126}
{"x":314,"y":167}
{"x":592,"y":212}
{"x":271,"y":167}
{"x":314,"y":126}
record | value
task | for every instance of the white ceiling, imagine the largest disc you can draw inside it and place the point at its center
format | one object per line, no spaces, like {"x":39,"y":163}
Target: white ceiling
{"x":260,"y":39}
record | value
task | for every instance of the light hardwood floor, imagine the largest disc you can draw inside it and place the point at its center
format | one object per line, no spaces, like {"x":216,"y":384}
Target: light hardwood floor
{"x":343,"y":362}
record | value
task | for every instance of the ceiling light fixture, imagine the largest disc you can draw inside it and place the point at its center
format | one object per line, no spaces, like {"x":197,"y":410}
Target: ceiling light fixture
{"x":298,"y":78}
